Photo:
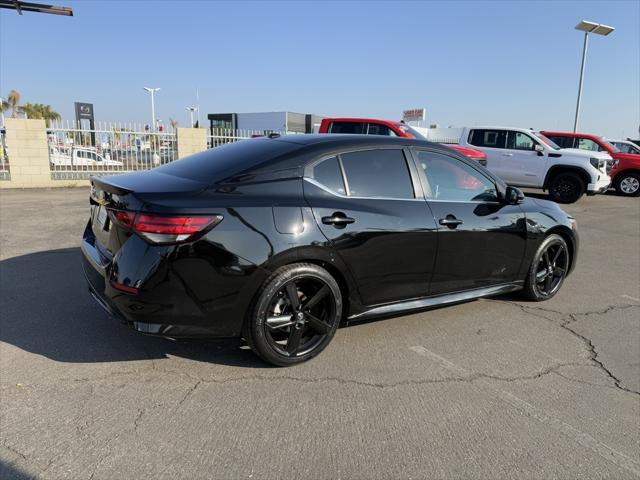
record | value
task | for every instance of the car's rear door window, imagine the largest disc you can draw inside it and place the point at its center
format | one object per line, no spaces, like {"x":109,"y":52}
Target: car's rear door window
{"x":377,"y":173}
{"x":488,"y":138}
{"x":348,"y":127}
{"x":328,"y":173}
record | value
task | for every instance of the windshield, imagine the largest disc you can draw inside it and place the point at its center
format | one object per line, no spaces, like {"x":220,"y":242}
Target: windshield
{"x":610,"y":145}
{"x":548,"y":141}
{"x":412,"y":131}
{"x":625,"y":147}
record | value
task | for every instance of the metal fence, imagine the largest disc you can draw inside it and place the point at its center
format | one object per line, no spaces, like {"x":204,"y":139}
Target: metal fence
{"x":76,"y":153}
{"x":220,"y":136}
{"x":5,"y":172}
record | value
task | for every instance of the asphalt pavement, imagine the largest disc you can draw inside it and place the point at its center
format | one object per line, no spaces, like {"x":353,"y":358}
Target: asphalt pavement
{"x":499,"y":388}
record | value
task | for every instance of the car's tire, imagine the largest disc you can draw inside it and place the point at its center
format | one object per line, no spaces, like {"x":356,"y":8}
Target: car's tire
{"x":628,"y":184}
{"x":566,"y":187}
{"x":295,"y":314}
{"x":548,"y":269}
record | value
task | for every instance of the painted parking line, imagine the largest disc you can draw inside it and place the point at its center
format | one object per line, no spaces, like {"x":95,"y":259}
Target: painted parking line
{"x":630,"y":298}
{"x":605,"y":451}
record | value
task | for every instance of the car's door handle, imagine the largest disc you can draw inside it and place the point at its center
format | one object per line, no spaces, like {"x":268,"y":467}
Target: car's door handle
{"x":507,"y":154}
{"x":338,"y":220}
{"x":450,"y":221}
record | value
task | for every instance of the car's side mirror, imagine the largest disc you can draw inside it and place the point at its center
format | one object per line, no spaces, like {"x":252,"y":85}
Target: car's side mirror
{"x":513,"y":196}
{"x":539,"y":148}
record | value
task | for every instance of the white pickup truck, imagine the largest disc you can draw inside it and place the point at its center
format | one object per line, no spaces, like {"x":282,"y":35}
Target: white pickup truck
{"x":79,"y":156}
{"x":525,"y":158}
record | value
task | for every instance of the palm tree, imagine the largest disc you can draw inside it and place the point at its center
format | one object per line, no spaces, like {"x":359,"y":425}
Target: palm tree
{"x":13,"y":100}
{"x":174,"y":124}
{"x":39,"y":110}
{"x":49,"y":114}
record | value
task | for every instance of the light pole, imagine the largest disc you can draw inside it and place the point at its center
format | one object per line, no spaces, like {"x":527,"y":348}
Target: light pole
{"x":152,"y":91}
{"x":587,"y":28}
{"x":191,"y":110}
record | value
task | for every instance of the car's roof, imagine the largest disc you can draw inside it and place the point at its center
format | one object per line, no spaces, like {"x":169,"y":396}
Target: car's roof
{"x":359,"y":119}
{"x":499,"y":127}
{"x":570,"y":134}
{"x":347,"y":140}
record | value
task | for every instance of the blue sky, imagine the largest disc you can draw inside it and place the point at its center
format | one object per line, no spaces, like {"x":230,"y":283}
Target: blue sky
{"x":467,"y":62}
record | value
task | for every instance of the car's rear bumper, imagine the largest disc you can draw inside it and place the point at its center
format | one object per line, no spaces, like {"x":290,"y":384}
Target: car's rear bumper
{"x":179,"y":295}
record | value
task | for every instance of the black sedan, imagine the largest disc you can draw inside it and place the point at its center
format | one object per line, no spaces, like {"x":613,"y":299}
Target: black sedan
{"x":278,"y":240}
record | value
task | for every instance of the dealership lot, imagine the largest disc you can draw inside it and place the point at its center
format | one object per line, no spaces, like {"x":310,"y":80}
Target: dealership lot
{"x":488,"y":389}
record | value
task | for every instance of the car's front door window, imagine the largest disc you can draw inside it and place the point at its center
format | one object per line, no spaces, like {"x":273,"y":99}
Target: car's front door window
{"x":520,"y":141}
{"x":588,"y":144}
{"x":450,"y":179}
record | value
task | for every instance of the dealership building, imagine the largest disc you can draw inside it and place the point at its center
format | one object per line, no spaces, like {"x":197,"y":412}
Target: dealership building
{"x":265,"y":122}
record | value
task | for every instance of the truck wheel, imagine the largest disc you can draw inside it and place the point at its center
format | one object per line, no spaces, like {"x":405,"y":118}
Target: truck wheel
{"x":628,"y":184}
{"x":566,"y":187}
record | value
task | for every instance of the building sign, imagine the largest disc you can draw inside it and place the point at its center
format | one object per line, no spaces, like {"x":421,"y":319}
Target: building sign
{"x":414,"y":115}
{"x":84,"y":111}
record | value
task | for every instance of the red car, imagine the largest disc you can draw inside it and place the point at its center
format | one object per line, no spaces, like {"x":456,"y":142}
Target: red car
{"x":372,"y":126}
{"x":625,"y":173}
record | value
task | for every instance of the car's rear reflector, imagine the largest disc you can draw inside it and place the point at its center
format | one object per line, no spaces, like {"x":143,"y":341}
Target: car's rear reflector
{"x":124,"y":288}
{"x":166,"y":228}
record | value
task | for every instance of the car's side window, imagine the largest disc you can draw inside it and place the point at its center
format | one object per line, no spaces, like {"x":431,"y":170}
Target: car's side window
{"x":588,"y":144}
{"x":488,"y":138}
{"x":562,"y":142}
{"x":450,"y":179}
{"x":328,"y":173}
{"x":520,"y":141}
{"x":378,"y":173}
{"x":377,"y":129}
{"x":348,"y":127}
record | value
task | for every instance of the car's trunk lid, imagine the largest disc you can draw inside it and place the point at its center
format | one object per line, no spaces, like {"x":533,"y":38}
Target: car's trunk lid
{"x":131,"y":192}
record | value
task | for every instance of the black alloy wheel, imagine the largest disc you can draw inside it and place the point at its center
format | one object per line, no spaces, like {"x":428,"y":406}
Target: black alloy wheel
{"x":548,"y":269}
{"x":566,"y":187}
{"x":295,"y":316}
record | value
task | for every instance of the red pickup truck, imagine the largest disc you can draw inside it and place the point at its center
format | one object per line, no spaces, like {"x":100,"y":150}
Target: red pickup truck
{"x":373,"y":126}
{"x":625,"y":173}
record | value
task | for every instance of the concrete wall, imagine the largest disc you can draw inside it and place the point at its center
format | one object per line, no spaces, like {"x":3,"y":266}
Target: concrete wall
{"x":191,"y":140}
{"x":28,"y":152}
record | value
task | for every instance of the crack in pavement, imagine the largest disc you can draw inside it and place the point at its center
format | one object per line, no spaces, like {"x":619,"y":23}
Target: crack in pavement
{"x":14,"y":450}
{"x":594,"y":356}
{"x":565,"y":321}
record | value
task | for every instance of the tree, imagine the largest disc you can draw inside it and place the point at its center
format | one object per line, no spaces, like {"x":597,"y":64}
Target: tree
{"x":39,"y":110}
{"x":13,"y":100}
{"x":174,"y":124}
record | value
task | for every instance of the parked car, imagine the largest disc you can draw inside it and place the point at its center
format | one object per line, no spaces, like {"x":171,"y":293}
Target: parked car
{"x":625,"y":169}
{"x":78,"y":156}
{"x":626,"y":146}
{"x":279,"y":239}
{"x":521,"y":157}
{"x":373,"y":126}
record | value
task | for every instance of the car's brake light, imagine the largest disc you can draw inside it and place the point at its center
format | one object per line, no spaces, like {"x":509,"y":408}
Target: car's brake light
{"x":166,"y":228}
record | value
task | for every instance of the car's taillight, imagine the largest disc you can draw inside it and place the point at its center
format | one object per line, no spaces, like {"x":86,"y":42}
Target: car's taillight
{"x":166,"y":228}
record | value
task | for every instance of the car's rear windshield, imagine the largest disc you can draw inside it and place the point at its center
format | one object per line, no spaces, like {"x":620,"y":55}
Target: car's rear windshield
{"x":221,"y":162}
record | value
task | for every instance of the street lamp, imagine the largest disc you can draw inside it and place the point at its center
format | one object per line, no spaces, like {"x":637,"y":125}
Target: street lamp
{"x":152,"y":91}
{"x":587,"y":28}
{"x":191,"y":110}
